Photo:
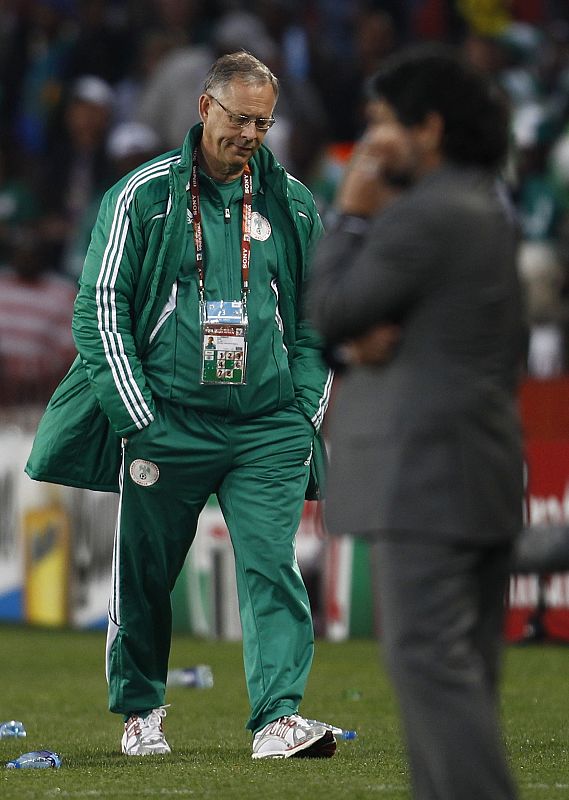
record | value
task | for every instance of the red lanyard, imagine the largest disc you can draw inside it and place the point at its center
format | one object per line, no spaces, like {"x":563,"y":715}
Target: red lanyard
{"x":247,"y":181}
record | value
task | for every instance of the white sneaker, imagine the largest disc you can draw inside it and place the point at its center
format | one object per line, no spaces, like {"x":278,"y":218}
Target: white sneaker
{"x":294,"y":736}
{"x":144,"y":736}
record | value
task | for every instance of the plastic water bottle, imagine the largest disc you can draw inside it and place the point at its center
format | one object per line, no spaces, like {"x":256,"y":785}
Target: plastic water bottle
{"x":198,"y":677}
{"x":37,"y":759}
{"x":346,"y":735}
{"x":341,"y":733}
{"x":12,"y":728}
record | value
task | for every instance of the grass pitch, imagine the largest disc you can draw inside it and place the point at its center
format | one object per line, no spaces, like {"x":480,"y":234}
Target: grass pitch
{"x":54,"y":682}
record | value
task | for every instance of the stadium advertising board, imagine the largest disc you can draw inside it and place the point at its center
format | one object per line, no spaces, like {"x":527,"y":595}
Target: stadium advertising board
{"x":538,"y":605}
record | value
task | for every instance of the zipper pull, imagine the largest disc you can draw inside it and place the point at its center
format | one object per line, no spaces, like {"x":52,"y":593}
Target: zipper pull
{"x":227,"y":214}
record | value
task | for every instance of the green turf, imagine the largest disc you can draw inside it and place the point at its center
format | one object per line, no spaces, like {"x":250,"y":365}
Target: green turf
{"x":53,"y":681}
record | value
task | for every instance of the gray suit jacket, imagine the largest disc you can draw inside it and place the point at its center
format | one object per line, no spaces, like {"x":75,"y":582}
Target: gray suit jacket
{"x":430,"y":441}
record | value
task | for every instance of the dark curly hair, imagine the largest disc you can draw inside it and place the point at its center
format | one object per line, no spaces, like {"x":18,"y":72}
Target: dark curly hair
{"x":433,"y":78}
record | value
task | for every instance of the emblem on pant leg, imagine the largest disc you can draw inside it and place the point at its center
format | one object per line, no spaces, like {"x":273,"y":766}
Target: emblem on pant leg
{"x":144,"y":473}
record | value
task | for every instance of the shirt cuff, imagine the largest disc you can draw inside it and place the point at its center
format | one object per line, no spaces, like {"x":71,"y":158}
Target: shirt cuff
{"x":350,"y":223}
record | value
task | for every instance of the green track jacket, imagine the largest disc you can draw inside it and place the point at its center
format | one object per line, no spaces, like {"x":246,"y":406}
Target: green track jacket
{"x":135,"y":256}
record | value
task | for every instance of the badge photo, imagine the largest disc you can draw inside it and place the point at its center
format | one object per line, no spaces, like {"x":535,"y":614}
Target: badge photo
{"x":144,"y":473}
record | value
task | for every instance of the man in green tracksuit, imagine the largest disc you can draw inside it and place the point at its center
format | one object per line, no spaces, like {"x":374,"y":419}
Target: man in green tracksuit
{"x":197,"y":374}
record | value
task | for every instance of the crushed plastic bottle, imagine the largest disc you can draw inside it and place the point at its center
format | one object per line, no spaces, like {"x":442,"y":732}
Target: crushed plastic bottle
{"x":341,"y":733}
{"x":346,"y":735}
{"x":12,"y":728}
{"x":37,"y":759}
{"x":198,"y":677}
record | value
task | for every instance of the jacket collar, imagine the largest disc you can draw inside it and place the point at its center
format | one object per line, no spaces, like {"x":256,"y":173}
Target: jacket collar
{"x":263,"y":164}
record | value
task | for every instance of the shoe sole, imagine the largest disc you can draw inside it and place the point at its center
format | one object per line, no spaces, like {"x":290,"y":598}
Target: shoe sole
{"x":161,"y":750}
{"x":148,"y":753}
{"x":324,"y":747}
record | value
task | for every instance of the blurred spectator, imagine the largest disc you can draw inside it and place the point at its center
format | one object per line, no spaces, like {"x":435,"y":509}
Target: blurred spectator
{"x":104,"y":44}
{"x":334,"y":19}
{"x":150,"y":50}
{"x":36,"y":306}
{"x":129,"y":145}
{"x":553,"y":68}
{"x":18,"y":204}
{"x":12,"y":59}
{"x":374,"y":38}
{"x":559,"y":162}
{"x":508,"y":53}
{"x":543,"y":277}
{"x":342,"y":83}
{"x":78,"y":169}
{"x":521,"y":46}
{"x":44,"y":36}
{"x":283,"y":22}
{"x":168,"y":101}
{"x":537,"y":192}
{"x":183,"y":21}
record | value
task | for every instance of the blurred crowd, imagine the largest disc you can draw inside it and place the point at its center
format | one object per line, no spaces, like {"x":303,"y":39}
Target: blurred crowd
{"x":89,"y":89}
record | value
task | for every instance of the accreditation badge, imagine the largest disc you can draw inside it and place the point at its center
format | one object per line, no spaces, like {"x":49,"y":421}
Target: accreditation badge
{"x":224,"y":343}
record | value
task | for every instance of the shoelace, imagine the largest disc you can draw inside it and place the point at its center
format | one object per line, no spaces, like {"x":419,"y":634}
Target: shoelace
{"x":305,"y":724}
{"x":322,"y":724}
{"x":293,"y":723}
{"x":154,"y":719}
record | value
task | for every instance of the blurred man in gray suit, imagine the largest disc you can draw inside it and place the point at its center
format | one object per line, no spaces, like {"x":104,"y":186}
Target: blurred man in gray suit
{"x":420,"y":296}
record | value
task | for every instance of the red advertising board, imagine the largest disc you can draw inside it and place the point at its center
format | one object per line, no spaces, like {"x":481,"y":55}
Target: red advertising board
{"x":538,"y":605}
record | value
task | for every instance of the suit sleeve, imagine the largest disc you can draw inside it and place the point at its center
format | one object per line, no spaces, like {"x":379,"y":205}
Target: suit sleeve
{"x":103,"y":317}
{"x":365,"y":276}
{"x":311,"y":376}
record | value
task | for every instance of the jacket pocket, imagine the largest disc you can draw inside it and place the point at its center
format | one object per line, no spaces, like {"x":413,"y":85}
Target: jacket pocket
{"x":280,"y":356}
{"x":159,"y":361}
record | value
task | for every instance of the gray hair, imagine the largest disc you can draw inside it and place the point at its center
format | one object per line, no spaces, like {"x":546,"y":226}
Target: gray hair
{"x":242,"y":66}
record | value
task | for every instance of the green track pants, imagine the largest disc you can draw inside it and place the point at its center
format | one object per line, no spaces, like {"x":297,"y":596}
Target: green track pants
{"x":259,"y":469}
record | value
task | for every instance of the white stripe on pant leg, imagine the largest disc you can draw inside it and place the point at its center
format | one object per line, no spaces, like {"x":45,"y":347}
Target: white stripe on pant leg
{"x":112,"y":631}
{"x":114,"y":600}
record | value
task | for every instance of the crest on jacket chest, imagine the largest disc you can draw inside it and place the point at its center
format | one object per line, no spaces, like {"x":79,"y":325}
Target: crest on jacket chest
{"x":260,"y":227}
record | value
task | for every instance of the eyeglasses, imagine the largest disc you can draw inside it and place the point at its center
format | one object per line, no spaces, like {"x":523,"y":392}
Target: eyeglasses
{"x":242,"y":120}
